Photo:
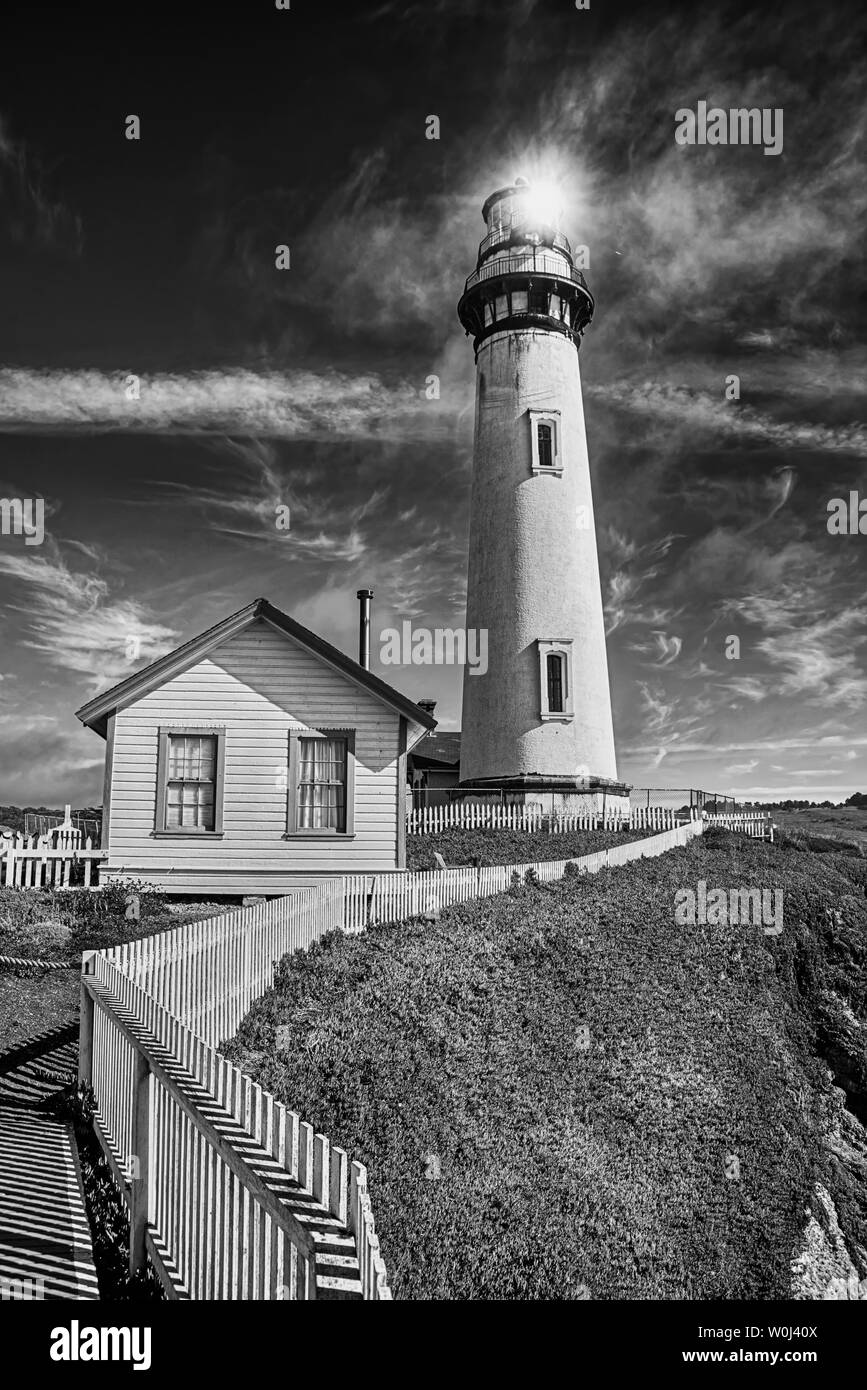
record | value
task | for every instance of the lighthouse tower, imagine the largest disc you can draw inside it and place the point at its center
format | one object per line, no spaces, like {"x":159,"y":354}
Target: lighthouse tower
{"x":537,"y":724}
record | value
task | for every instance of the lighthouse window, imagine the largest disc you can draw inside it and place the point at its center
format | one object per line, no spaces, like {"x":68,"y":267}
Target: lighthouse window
{"x":555,"y":682}
{"x":538,"y":302}
{"x":544,"y":441}
{"x":546,"y":446}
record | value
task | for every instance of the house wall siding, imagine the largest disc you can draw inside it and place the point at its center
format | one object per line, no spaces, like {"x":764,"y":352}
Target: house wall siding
{"x":258,"y":685}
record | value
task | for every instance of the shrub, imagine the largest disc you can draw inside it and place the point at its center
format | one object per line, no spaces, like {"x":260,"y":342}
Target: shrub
{"x":485,"y":847}
{"x":509,"y":1160}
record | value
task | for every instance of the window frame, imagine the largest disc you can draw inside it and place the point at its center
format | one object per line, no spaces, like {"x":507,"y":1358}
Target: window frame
{"x":561,"y":647}
{"x":552,"y":419}
{"x":167,"y":731}
{"x":555,"y":676}
{"x":547,"y":445}
{"x":293,"y":830}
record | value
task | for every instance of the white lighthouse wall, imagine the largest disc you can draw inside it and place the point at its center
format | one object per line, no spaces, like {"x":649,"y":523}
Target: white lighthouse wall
{"x":533,"y":570}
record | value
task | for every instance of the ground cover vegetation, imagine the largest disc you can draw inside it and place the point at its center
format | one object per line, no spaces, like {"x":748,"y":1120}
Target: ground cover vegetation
{"x":559,"y":1093}
{"x":485,"y":846}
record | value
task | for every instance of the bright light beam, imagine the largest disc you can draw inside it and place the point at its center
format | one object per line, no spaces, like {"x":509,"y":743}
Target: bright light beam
{"x":543,"y":204}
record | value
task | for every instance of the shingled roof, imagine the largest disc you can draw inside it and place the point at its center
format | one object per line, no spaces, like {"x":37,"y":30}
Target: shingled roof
{"x":439,"y":748}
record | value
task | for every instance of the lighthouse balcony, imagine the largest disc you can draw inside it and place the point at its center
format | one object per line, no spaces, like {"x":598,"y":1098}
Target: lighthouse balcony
{"x":520,"y":233}
{"x":534,"y":289}
{"x":529,"y":263}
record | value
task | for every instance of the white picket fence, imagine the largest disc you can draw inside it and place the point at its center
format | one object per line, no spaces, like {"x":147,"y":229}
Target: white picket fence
{"x":462,"y":815}
{"x":371,"y":899}
{"x":47,"y":861}
{"x":230,"y":1193}
{"x":757,"y":824}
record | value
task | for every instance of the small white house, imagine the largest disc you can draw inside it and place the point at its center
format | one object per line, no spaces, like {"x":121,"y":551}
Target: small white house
{"x":251,"y":759}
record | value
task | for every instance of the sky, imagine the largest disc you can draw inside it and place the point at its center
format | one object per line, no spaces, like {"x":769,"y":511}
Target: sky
{"x":307,"y":387}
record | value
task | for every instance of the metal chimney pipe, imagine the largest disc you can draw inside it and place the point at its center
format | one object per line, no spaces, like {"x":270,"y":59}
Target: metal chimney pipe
{"x":364,"y":596}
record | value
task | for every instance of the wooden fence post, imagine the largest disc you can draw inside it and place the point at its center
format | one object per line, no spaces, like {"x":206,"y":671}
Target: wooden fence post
{"x":140,"y":1177}
{"x":85,"y":1027}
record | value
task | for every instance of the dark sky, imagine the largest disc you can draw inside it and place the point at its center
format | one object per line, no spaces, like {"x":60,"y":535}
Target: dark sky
{"x":306,"y":387}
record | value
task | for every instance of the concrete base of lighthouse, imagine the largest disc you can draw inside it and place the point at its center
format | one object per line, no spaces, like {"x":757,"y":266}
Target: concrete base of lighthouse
{"x":553,"y":795}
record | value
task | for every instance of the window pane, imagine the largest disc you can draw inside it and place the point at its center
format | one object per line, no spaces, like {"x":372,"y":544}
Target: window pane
{"x":545,"y":442}
{"x":555,"y":683}
{"x":192,"y":756}
{"x":321,"y":795}
{"x":191,"y":777}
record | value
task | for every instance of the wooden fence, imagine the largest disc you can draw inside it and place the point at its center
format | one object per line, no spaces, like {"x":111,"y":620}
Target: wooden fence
{"x":47,"y":861}
{"x":757,"y":824}
{"x":462,"y":815}
{"x":382,"y":898}
{"x":231,"y":1194}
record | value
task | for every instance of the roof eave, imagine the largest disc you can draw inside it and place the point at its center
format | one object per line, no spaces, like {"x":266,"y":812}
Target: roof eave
{"x":96,"y":712}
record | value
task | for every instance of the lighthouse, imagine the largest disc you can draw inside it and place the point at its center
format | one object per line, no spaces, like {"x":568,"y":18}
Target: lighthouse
{"x":537,"y":724}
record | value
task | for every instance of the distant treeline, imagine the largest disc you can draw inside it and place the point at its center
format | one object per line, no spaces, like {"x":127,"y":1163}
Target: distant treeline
{"x":857,"y":799}
{"x":13,"y":816}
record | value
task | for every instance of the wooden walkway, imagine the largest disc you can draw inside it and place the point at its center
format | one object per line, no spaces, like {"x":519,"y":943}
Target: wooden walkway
{"x":45,"y":1245}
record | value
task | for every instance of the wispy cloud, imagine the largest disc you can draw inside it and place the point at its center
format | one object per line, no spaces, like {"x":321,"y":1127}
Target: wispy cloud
{"x":664,"y":648}
{"x":748,"y":688}
{"x":760,"y":744}
{"x":291,"y":405}
{"x":816,"y":655}
{"x":31,"y":213}
{"x":700,"y":412}
{"x":71,"y":620}
{"x":635,"y":566}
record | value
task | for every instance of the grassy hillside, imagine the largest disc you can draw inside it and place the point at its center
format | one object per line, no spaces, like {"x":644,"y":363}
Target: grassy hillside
{"x":560,"y":1093}
{"x":846,"y":823}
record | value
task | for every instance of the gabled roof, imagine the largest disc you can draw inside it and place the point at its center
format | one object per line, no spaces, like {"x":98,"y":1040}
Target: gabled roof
{"x":96,"y":712}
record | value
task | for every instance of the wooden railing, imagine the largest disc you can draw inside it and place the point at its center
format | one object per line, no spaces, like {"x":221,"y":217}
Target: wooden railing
{"x":230,"y":1193}
{"x":47,"y":861}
